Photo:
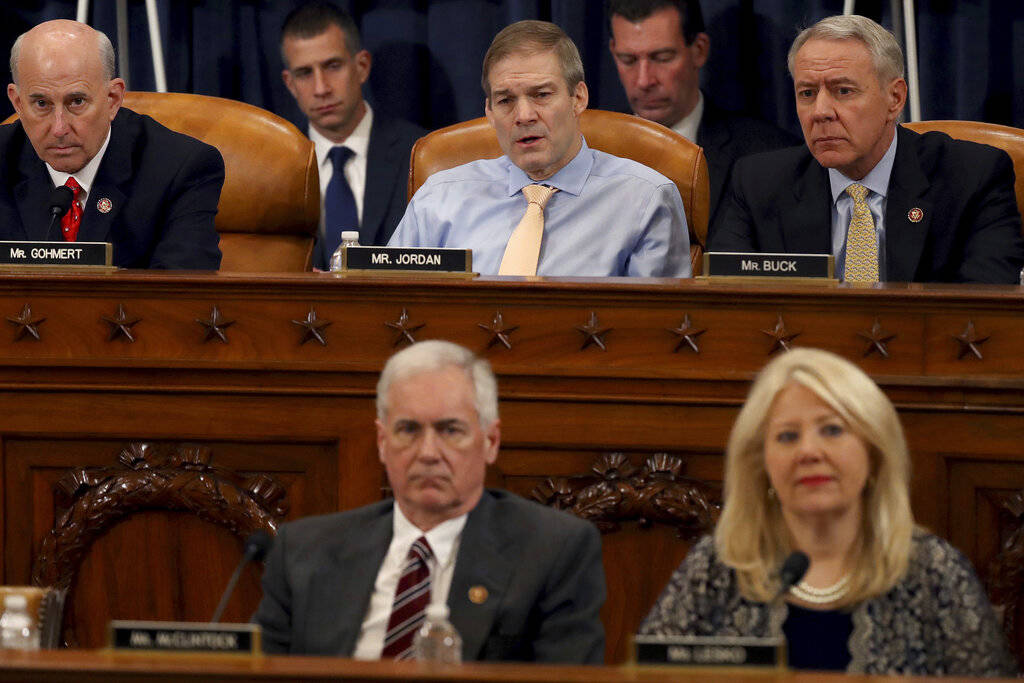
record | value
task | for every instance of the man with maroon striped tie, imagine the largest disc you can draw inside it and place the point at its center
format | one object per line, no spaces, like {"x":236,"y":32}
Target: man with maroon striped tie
{"x":522,"y":581}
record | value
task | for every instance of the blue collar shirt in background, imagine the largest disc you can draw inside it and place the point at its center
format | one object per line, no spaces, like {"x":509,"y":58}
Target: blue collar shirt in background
{"x":610,"y":217}
{"x":877,"y":182}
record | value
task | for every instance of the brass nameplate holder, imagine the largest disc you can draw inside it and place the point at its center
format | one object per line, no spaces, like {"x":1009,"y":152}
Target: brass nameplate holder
{"x":183,"y":636}
{"x":31,"y":254}
{"x":407,"y":260}
{"x":789,"y":267}
{"x":713,"y":652}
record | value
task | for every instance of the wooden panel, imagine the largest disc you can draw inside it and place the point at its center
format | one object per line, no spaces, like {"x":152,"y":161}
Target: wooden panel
{"x":273,"y":399}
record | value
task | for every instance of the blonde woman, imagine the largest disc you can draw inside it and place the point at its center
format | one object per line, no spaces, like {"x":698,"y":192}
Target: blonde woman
{"x":817,"y":462}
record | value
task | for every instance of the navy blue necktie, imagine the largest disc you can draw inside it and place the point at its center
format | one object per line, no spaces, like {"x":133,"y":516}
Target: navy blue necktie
{"x":339,"y":205}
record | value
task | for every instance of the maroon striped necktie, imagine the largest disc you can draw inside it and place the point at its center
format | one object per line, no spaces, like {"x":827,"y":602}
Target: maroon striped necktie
{"x":411,"y":599}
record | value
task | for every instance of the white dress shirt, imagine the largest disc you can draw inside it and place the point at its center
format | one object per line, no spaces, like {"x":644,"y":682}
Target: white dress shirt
{"x":355,"y":167}
{"x":687,"y":127}
{"x":84,"y":176}
{"x":444,"y":541}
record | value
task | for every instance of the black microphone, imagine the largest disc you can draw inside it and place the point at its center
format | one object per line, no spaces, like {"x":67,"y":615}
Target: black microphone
{"x":792,"y":570}
{"x":60,"y":201}
{"x":256,"y":548}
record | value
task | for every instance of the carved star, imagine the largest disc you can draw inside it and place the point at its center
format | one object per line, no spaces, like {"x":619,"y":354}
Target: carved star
{"x":877,"y":339}
{"x":593,"y":333}
{"x":314,"y":328}
{"x":405,"y":330}
{"x":781,"y":337}
{"x":500,"y":332}
{"x":215,"y":326}
{"x":687,"y":334}
{"x":121,"y":325}
{"x":970,"y":342}
{"x":26,"y":324}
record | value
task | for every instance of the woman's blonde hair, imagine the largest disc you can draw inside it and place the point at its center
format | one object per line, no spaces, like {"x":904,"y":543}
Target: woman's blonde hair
{"x":751,"y":536}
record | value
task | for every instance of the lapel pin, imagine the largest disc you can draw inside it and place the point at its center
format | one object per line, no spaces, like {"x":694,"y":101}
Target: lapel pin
{"x":915,"y":215}
{"x":478,"y":595}
{"x":104,"y":205}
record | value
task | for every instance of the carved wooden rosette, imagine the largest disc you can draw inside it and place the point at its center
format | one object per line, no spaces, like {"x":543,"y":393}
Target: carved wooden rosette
{"x":91,"y":500}
{"x":619,"y":492}
{"x":1004,"y":577}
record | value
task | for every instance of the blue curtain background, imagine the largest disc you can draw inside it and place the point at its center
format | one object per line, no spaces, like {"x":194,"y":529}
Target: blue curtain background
{"x":427,"y":54}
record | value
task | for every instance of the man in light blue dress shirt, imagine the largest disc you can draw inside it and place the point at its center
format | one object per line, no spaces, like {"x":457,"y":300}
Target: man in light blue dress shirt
{"x":609,"y":217}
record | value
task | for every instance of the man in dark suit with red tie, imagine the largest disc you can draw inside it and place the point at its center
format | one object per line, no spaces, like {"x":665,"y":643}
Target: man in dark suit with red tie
{"x":151,"y":192}
{"x":522,"y":581}
{"x":363,"y":154}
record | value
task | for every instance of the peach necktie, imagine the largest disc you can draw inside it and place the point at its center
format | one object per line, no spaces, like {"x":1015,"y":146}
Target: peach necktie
{"x":523,"y":249}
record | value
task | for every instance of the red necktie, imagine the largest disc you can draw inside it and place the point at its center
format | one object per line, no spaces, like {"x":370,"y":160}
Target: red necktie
{"x":73,"y":218}
{"x":411,"y":599}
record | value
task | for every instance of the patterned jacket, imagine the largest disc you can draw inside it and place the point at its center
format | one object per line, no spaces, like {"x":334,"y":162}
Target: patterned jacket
{"x":936,"y":621}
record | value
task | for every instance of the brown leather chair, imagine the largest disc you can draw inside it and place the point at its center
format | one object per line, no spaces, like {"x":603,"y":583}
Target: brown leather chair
{"x":1010,"y":140}
{"x":620,"y":134}
{"x":270,"y":206}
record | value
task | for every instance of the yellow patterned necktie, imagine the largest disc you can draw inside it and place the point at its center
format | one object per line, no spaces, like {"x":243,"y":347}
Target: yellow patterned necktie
{"x":523,"y":249}
{"x":861,"y":239}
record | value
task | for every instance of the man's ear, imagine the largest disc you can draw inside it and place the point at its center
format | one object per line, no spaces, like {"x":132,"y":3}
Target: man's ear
{"x":115,"y":96}
{"x":897,"y":96}
{"x":700,"y":49}
{"x":363,"y":63}
{"x":581,"y":97}
{"x":382,"y":435}
{"x":14,"y":97}
{"x":492,"y":442}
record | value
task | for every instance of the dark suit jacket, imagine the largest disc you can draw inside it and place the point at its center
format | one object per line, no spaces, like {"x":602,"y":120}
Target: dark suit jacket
{"x":726,"y":137}
{"x":387,"y":180}
{"x":970,"y":230}
{"x":163,"y":188}
{"x":541,"y":568}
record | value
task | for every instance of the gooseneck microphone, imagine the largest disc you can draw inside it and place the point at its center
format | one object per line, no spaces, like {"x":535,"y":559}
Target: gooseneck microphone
{"x":256,"y":548}
{"x":60,"y":201}
{"x":792,"y":570}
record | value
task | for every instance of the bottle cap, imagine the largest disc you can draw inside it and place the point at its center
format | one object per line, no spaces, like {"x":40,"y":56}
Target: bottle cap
{"x":15,"y":601}
{"x":437,"y":612}
{"x":349,"y":234}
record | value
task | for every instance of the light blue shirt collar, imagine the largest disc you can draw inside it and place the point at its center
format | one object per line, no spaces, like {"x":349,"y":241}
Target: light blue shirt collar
{"x":877,"y":179}
{"x":570,"y":178}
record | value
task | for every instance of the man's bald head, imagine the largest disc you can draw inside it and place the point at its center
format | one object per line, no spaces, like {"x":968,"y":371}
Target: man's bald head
{"x":63,"y":31}
{"x":64,"y":91}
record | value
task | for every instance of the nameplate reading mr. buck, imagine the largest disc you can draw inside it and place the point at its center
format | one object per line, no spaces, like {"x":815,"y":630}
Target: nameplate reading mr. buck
{"x":730,"y":264}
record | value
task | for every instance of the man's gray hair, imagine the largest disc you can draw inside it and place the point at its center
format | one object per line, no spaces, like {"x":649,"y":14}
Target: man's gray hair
{"x":886,"y":55}
{"x":103,"y":45}
{"x":429,"y":356}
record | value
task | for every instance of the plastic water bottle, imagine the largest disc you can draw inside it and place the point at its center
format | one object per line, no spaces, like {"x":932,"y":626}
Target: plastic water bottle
{"x":437,"y":641}
{"x":349,"y":238}
{"x":17,"y":629}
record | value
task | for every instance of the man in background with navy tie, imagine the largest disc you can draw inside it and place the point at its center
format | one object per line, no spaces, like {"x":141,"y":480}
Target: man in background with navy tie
{"x":363,"y":155}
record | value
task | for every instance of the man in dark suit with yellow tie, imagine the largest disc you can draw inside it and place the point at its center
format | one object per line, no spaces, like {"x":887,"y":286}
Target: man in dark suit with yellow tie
{"x":888,"y":203}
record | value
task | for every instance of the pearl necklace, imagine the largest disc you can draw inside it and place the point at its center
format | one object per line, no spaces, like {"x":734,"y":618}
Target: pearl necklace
{"x":822,"y":596}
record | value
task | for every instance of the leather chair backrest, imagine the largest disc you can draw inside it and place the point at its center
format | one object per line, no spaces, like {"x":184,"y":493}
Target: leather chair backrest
{"x":270,"y":206}
{"x":620,"y":134}
{"x":1006,"y":138}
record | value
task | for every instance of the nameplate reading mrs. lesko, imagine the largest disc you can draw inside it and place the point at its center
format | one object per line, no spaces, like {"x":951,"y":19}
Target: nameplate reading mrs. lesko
{"x":184,"y":636}
{"x":408,"y":258}
{"x":710,"y":651}
{"x":732,"y":264}
{"x":89,"y":254}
